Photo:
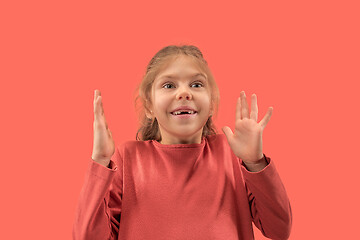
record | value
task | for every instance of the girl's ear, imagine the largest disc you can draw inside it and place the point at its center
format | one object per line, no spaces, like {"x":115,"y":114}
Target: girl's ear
{"x":211,"y":111}
{"x":148,"y":111}
{"x":148,"y":114}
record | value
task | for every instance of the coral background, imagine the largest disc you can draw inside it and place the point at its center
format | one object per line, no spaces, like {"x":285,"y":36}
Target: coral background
{"x":300,"y":57}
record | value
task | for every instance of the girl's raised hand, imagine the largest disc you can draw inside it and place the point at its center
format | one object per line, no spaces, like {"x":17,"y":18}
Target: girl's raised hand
{"x":103,"y":145}
{"x":246,"y":141}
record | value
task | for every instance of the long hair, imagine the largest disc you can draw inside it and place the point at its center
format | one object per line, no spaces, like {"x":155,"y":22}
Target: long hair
{"x":149,"y":128}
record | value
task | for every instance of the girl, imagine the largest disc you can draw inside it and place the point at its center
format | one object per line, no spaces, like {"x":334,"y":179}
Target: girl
{"x":180,"y":179}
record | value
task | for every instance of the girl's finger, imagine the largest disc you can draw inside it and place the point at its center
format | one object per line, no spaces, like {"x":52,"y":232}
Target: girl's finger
{"x":101,"y":106}
{"x":238,"y":109}
{"x":254,"y":108}
{"x":266,"y":118}
{"x":244,"y":106}
{"x":96,"y":94}
{"x":98,"y":109}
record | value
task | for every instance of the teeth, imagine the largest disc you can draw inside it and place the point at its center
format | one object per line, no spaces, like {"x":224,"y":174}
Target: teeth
{"x":178,"y":112}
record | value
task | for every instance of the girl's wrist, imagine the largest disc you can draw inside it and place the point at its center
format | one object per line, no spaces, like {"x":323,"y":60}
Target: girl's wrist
{"x":256,"y":166}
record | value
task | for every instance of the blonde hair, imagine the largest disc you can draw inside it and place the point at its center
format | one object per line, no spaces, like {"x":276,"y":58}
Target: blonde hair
{"x":149,"y":128}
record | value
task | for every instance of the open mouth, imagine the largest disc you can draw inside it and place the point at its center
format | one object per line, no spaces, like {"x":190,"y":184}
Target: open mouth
{"x":184,"y":112}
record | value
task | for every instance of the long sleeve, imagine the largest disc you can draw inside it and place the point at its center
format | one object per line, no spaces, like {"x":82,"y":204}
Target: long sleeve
{"x":268,"y":200}
{"x":180,"y":191}
{"x":98,"y":211}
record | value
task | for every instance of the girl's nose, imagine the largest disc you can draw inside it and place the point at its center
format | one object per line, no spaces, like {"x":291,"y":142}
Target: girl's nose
{"x":184,"y":94}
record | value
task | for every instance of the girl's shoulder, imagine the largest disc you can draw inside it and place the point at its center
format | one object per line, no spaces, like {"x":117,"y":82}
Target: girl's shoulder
{"x":132,"y":144}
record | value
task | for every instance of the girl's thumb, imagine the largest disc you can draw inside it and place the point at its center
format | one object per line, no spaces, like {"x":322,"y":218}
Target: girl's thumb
{"x":227,"y":131}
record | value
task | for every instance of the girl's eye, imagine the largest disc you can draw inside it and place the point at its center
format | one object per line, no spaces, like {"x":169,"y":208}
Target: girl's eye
{"x":198,"y":84}
{"x":170,"y":85}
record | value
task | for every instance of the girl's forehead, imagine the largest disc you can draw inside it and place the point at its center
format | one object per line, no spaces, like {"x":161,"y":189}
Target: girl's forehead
{"x":182,"y":67}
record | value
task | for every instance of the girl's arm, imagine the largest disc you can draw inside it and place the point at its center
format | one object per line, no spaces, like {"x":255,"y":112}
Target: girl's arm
{"x":268,"y":200}
{"x":269,"y":204}
{"x":98,"y":210}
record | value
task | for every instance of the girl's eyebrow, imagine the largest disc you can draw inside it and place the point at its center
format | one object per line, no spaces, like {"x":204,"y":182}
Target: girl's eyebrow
{"x":174,"y":77}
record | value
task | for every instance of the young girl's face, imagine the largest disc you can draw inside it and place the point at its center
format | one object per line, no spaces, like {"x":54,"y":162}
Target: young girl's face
{"x":180,"y":86}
